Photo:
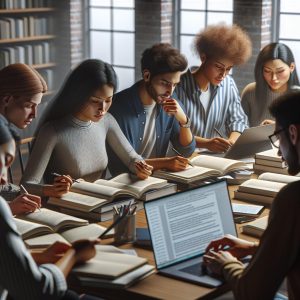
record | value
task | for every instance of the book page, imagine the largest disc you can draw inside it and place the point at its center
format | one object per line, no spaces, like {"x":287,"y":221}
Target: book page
{"x":278,"y":177}
{"x":263,"y":187}
{"x":256,"y":227}
{"x":271,"y":154}
{"x":45,"y":241}
{"x":27,"y":229}
{"x":53,"y":219}
{"x":224,"y":165}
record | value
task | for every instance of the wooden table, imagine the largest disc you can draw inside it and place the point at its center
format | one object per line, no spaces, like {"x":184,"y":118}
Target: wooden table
{"x":160,"y":287}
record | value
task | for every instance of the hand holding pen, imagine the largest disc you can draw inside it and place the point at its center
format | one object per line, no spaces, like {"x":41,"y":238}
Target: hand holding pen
{"x":187,"y":160}
{"x":143,"y":170}
{"x":61,"y":184}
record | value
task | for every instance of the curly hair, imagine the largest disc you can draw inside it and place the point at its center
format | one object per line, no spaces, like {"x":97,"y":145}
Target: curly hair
{"x":223,"y":41}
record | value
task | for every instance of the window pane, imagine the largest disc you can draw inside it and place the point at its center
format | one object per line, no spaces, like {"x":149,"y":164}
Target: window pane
{"x":123,"y":49}
{"x":193,"y":4}
{"x":100,"y":2}
{"x":123,"y":3}
{"x":289,"y":27}
{"x":216,"y":18}
{"x":290,"y":6}
{"x":295,"y":47}
{"x":100,"y":18}
{"x":192,"y":22}
{"x":100,"y":45}
{"x":125,"y":77}
{"x":220,"y":5}
{"x":186,"y":47}
{"x":123,"y":19}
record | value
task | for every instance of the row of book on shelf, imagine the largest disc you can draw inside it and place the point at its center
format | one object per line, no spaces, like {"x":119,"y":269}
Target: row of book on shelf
{"x":21,"y":4}
{"x":13,"y":28}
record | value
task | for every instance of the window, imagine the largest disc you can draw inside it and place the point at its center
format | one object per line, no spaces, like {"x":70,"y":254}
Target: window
{"x":111,"y":36}
{"x":289,"y":22}
{"x":195,"y":15}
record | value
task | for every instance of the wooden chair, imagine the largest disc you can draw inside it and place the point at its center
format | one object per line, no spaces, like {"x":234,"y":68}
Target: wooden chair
{"x":16,"y":170}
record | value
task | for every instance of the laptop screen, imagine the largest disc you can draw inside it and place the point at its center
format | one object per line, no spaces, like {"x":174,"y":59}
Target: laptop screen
{"x":181,"y":225}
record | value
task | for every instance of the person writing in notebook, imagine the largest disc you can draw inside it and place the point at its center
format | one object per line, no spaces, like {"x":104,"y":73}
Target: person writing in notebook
{"x":278,"y":254}
{"x":209,"y":94}
{"x":20,"y":276}
{"x":150,"y":115}
{"x":73,"y":132}
{"x":21,"y":91}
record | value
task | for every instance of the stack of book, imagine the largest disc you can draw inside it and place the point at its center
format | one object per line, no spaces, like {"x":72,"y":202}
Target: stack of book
{"x":95,"y":200}
{"x":263,"y":189}
{"x":112,"y":269}
{"x":269,"y":161}
{"x":256,"y":228}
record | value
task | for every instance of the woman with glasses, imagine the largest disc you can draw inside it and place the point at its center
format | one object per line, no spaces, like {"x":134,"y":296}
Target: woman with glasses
{"x":209,"y":94}
{"x":73,"y":133}
{"x":275,"y":74}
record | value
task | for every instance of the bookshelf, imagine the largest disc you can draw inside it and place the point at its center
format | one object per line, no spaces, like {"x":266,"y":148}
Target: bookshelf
{"x":29,"y":34}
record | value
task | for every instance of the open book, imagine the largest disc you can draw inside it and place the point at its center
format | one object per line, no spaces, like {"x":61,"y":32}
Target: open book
{"x":204,"y":166}
{"x":257,"y":227}
{"x":264,"y":188}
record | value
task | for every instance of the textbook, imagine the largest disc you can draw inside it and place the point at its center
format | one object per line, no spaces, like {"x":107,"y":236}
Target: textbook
{"x":204,"y":166}
{"x":109,"y":265}
{"x":123,"y":185}
{"x":264,"y":188}
{"x":91,"y":232}
{"x":257,"y":227}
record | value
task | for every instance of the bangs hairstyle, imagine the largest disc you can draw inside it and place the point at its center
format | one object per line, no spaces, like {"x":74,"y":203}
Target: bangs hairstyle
{"x":271,"y":52}
{"x":78,"y":87}
{"x":286,"y":109}
{"x":222,"y":41}
{"x":163,"y":58}
{"x":21,"y":79}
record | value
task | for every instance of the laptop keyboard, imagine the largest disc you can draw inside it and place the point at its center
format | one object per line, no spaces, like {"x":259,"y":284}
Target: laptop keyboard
{"x":195,"y":269}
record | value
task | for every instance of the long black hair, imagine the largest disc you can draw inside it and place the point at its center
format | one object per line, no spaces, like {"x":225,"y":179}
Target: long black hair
{"x":271,"y":52}
{"x":78,"y":87}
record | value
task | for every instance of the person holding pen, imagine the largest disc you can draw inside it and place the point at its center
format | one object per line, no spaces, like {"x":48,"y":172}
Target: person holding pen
{"x":21,"y":91}
{"x":209,"y":93}
{"x":74,"y":130}
{"x":150,"y":115}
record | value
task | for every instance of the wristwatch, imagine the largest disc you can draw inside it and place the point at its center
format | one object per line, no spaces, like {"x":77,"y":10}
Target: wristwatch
{"x":187,"y":124}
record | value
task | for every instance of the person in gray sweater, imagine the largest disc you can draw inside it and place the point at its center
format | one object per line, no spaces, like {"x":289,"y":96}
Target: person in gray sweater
{"x":73,"y":132}
{"x":275,"y":74}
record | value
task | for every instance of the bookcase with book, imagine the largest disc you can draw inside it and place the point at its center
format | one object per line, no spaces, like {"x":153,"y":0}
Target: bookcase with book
{"x":28,"y":35}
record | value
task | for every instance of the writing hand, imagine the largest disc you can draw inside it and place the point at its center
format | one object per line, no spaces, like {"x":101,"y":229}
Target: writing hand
{"x":217,"y":144}
{"x":62,"y":184}
{"x":143,"y":170}
{"x":25,"y":203}
{"x":176,"y":163}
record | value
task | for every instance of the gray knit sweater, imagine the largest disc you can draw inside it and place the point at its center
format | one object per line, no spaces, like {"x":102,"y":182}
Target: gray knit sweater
{"x":75,"y":148}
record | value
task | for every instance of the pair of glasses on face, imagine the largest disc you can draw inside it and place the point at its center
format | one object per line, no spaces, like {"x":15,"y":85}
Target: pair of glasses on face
{"x":274,"y":138}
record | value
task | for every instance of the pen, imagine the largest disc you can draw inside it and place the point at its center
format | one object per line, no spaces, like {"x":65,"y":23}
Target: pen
{"x":56,"y":174}
{"x":219,"y":133}
{"x":25,"y":192}
{"x":178,"y":153}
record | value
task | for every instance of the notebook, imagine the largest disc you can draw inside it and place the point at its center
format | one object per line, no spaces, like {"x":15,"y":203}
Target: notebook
{"x":182,"y":225}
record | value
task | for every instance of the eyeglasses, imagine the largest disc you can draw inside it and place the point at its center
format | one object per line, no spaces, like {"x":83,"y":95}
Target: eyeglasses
{"x":274,"y":138}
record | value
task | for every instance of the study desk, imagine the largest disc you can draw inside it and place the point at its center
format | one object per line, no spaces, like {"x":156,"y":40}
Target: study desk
{"x":160,"y":287}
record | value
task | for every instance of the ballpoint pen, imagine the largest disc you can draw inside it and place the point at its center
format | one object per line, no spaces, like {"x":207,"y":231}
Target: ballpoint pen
{"x":178,"y":153}
{"x":56,"y":174}
{"x":25,"y":192}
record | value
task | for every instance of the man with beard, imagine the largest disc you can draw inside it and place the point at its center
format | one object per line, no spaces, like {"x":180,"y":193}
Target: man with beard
{"x":150,"y":116}
{"x":278,"y":254}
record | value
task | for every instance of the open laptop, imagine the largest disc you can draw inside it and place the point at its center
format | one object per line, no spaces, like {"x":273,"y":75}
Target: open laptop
{"x":181,"y":226}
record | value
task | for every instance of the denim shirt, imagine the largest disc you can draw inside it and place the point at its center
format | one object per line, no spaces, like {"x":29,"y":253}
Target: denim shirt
{"x":128,"y":110}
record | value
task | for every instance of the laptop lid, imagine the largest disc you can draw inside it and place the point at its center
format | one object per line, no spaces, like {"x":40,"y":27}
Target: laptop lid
{"x":181,"y":225}
{"x":251,"y":141}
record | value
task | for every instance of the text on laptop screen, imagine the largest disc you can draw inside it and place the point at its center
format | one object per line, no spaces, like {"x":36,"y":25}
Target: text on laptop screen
{"x":182,"y":224}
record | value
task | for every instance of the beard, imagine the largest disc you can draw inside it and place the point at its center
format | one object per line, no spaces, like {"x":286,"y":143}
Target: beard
{"x":292,"y":160}
{"x":153,"y":93}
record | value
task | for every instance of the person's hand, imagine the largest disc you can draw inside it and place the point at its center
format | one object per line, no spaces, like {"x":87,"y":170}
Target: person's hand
{"x":52,"y":254}
{"x":172,"y":108}
{"x":25,"y":203}
{"x":176,"y":163}
{"x":61,"y":185}
{"x":267,"y":122}
{"x":237,"y":247}
{"x":215,"y":261}
{"x":84,"y":250}
{"x":142,"y":169}
{"x":217,"y":144}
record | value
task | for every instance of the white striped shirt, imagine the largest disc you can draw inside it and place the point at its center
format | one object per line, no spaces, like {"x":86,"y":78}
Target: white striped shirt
{"x":224,"y":112}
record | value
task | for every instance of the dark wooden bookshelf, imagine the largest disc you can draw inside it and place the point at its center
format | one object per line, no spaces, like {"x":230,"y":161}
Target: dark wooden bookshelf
{"x":26,"y":10}
{"x":28,"y":39}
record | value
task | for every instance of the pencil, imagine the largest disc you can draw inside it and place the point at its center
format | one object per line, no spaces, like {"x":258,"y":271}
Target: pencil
{"x":178,"y":153}
{"x":56,"y":174}
{"x":25,"y":192}
{"x":219,"y":133}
